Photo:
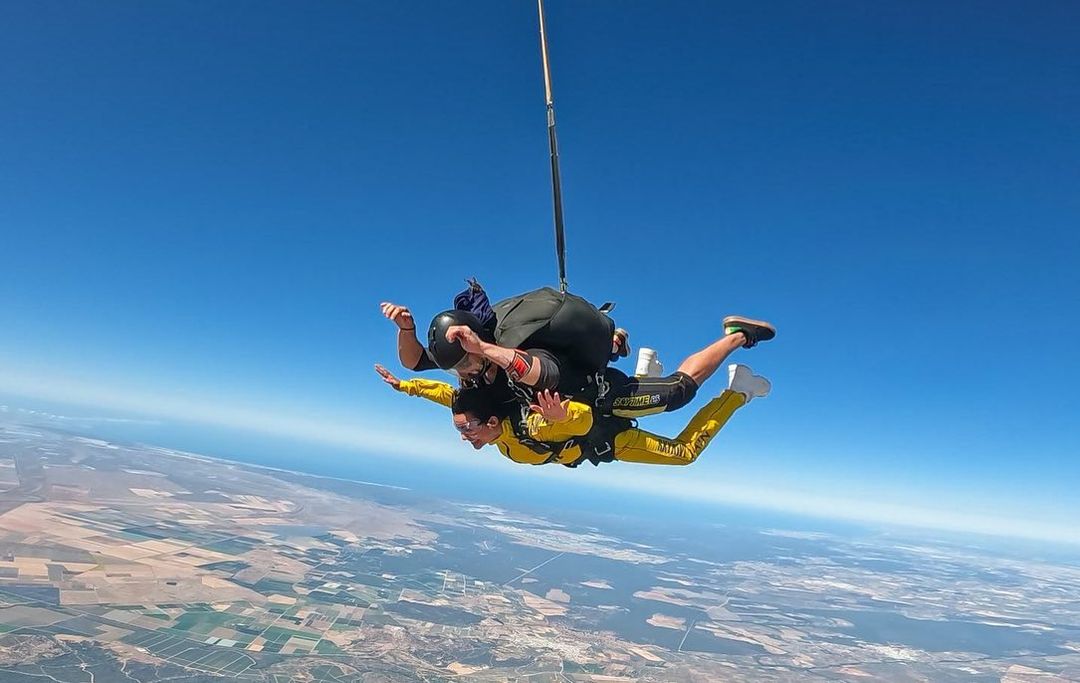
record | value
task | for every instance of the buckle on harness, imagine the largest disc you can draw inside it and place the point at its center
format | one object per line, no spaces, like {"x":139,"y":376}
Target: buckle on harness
{"x":602,"y":388}
{"x":606,"y":448}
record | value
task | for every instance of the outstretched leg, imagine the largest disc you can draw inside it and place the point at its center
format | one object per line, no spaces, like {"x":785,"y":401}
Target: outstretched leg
{"x":640,"y":446}
{"x":640,"y":396}
{"x":703,"y":364}
{"x":637,"y":445}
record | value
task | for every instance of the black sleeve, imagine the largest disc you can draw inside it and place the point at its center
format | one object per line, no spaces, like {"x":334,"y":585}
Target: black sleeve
{"x":549,"y":369}
{"x":425,"y":363}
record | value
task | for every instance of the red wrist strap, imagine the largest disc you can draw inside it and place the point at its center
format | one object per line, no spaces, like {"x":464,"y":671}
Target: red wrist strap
{"x":519,"y":365}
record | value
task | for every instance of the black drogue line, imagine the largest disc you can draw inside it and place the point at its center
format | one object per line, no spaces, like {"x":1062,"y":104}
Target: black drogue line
{"x":553,"y":145}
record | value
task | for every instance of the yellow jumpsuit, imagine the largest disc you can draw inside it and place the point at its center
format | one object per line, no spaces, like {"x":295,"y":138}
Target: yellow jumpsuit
{"x":631,"y":445}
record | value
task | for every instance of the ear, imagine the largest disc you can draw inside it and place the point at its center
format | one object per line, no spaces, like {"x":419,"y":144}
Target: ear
{"x":493,"y":421}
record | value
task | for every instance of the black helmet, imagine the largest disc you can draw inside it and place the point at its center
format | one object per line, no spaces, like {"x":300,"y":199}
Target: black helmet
{"x":447,"y":354}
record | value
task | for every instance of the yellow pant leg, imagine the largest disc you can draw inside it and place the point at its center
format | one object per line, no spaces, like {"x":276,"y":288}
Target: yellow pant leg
{"x":637,"y":445}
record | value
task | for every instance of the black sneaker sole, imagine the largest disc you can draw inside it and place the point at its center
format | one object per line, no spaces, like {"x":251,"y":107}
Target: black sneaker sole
{"x":758,"y":330}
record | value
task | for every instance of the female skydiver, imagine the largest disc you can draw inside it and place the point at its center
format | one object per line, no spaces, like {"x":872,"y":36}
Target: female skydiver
{"x":565,"y":432}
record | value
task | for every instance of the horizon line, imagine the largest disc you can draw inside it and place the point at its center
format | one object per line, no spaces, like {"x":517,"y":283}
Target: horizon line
{"x":371,"y":437}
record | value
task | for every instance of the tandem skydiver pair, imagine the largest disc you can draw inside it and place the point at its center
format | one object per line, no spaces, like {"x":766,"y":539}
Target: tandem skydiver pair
{"x":518,"y":360}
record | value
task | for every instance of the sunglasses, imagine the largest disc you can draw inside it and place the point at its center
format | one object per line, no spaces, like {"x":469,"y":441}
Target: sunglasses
{"x":470,"y":426}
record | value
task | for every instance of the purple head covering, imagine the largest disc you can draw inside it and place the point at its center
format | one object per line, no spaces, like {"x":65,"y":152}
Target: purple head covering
{"x":475,"y":300}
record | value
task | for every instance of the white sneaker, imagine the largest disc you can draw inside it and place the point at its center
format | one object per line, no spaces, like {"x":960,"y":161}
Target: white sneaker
{"x":743,"y":380}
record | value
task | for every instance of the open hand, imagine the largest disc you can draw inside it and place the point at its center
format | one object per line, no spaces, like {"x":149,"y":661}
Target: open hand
{"x":388,"y":377}
{"x":464,"y":335}
{"x":550,"y":406}
{"x":399,"y":315}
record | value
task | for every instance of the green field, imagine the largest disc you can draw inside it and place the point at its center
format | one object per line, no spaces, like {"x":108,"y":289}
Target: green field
{"x":204,"y":622}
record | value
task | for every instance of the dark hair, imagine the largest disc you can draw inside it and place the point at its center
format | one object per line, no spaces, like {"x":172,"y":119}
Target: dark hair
{"x":477,"y":401}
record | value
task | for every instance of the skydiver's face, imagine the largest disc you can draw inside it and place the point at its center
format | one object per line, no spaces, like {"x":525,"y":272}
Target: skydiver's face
{"x":471,"y":366}
{"x":476,"y":431}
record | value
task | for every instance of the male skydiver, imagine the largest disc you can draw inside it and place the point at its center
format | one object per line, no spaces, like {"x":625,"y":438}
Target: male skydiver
{"x":414,"y":356}
{"x":559,"y":431}
{"x":460,"y":342}
{"x":623,"y":396}
{"x":571,"y":337}
{"x":566,"y":341}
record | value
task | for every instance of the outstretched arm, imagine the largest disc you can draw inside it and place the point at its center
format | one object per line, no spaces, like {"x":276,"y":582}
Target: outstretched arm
{"x":439,"y":392}
{"x":533,"y":368}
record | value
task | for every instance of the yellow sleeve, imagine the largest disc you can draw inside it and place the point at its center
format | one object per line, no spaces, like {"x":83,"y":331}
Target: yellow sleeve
{"x":578,"y":422}
{"x":439,"y":392}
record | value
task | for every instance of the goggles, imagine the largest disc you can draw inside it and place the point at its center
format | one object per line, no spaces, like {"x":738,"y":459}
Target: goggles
{"x":467,"y":367}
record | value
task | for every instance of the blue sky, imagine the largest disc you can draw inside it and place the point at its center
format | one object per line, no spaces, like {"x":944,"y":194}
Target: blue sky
{"x":201,"y":207}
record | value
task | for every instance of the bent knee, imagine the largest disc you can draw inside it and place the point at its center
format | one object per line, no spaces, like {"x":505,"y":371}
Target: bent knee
{"x":683,"y":391}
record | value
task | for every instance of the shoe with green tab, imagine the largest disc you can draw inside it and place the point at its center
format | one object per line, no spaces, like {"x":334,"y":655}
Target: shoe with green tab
{"x":754,"y":330}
